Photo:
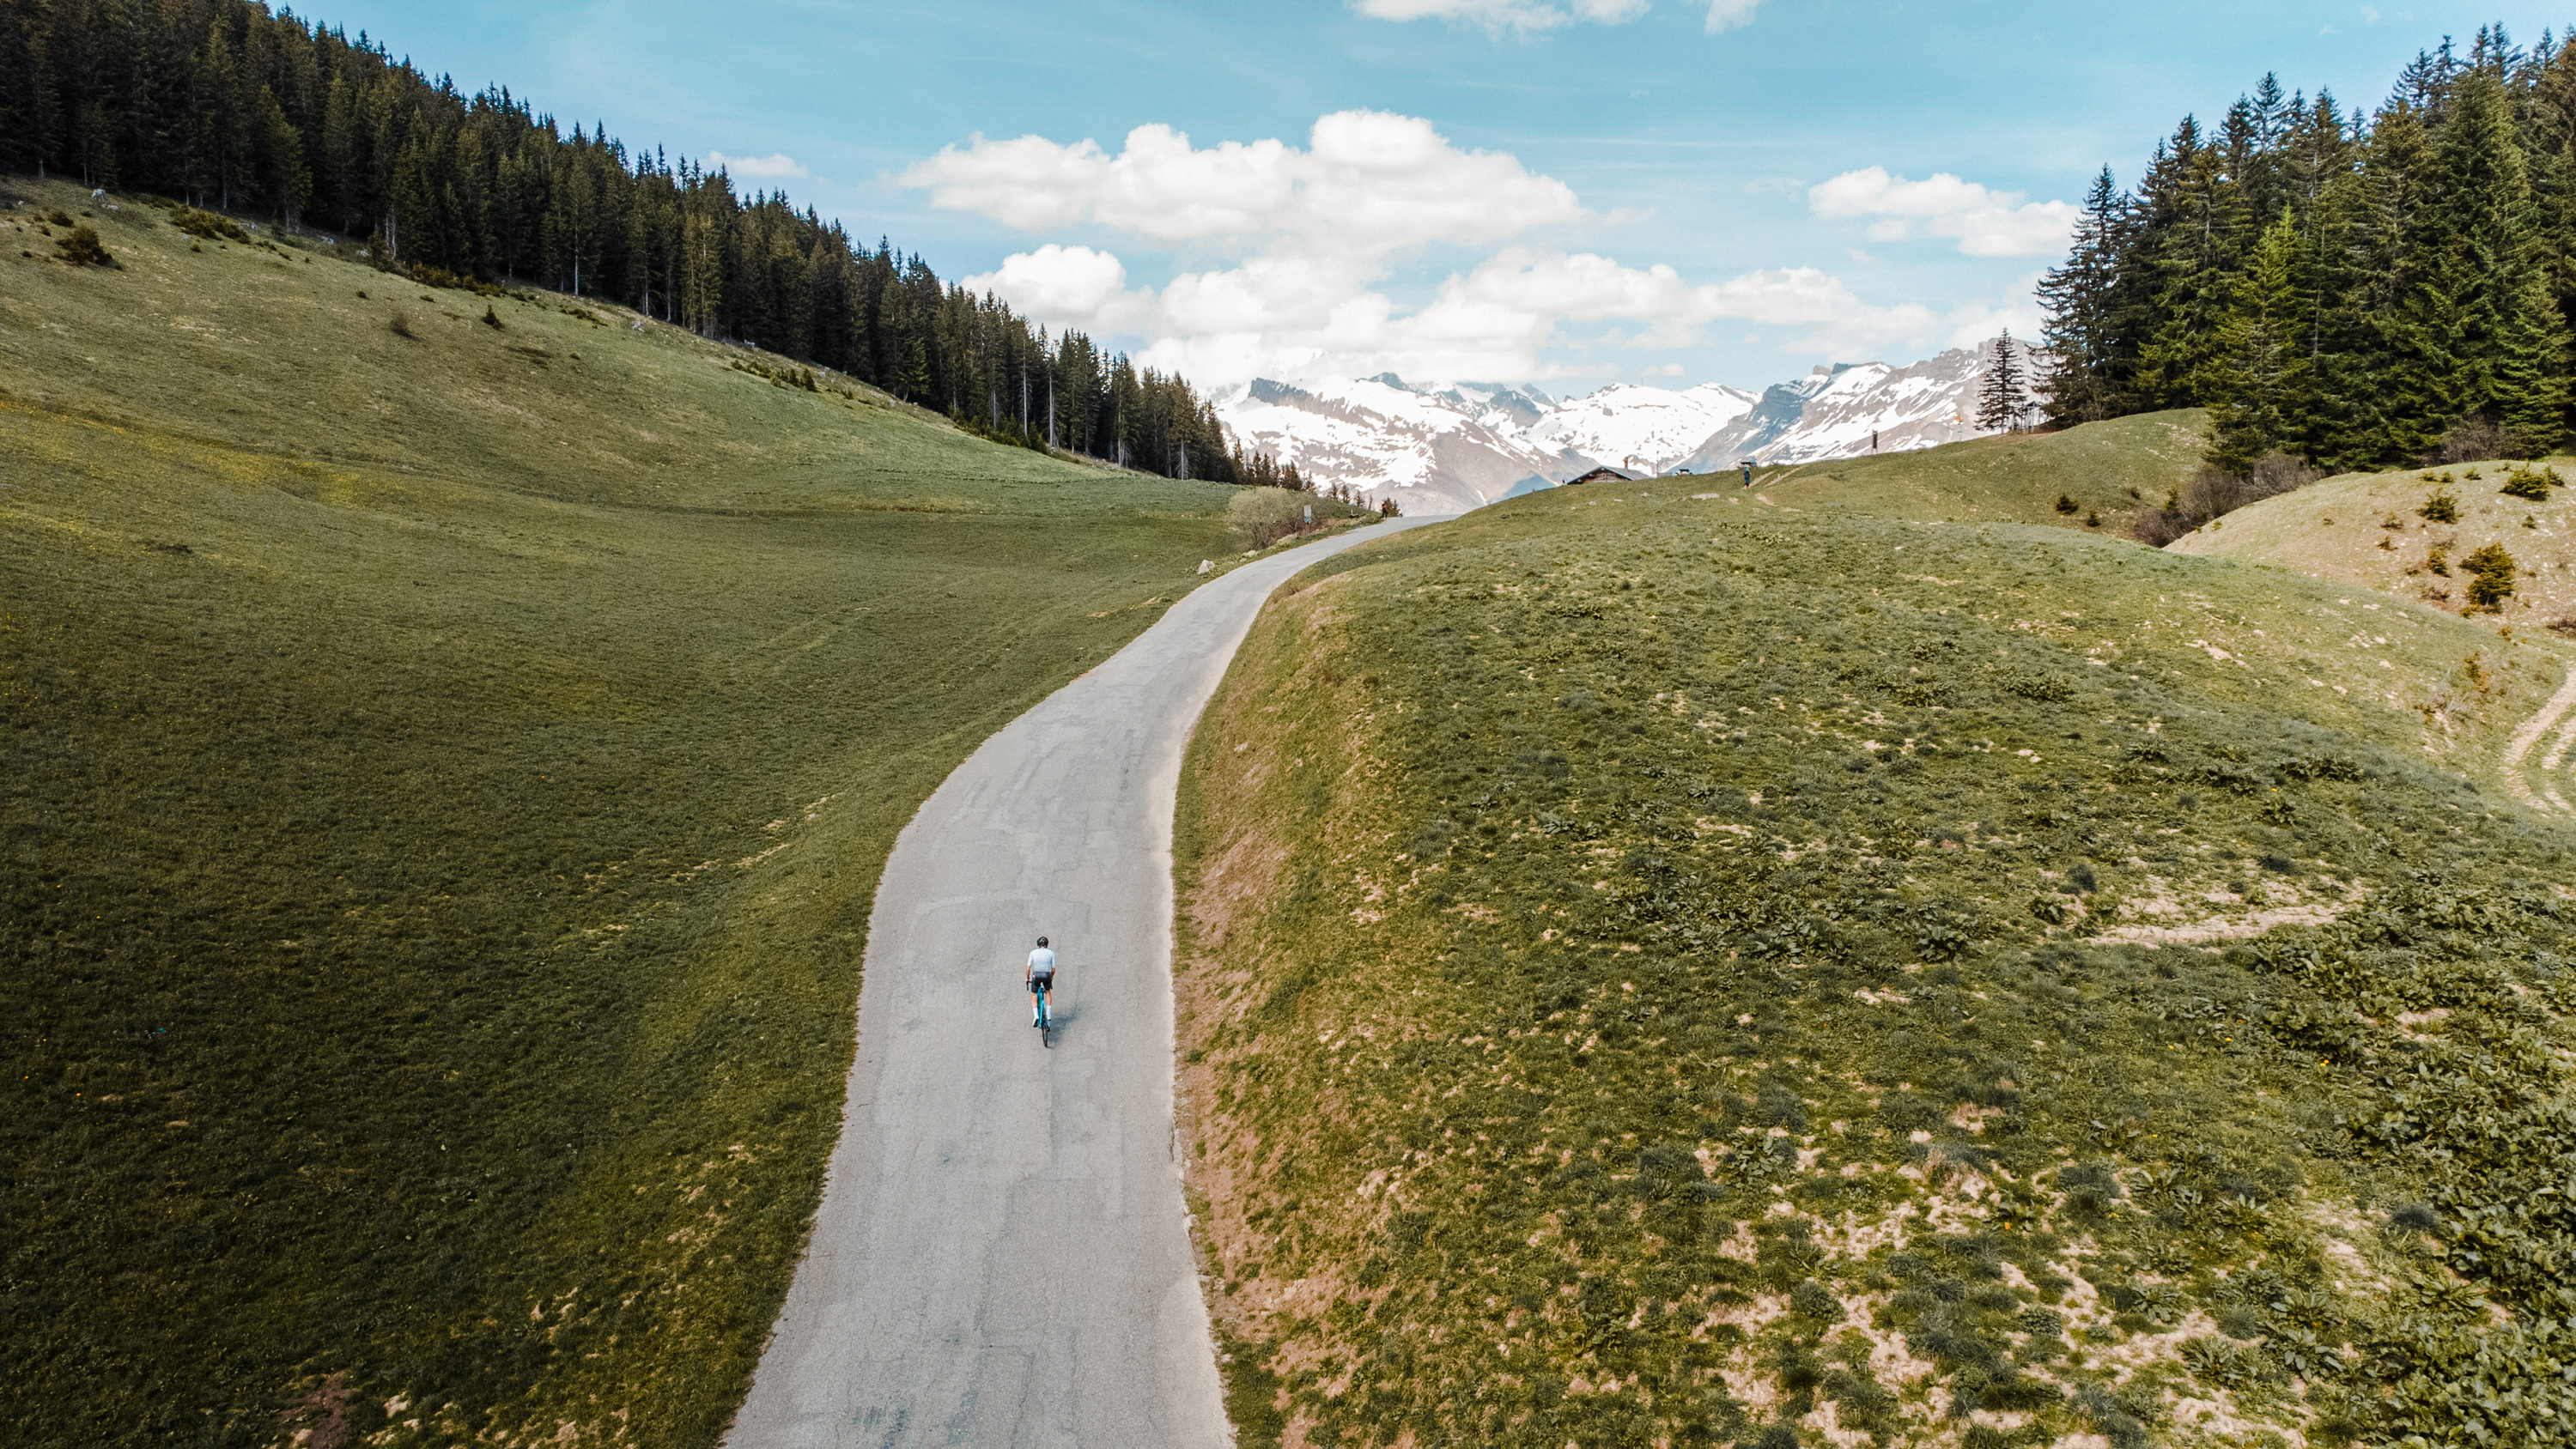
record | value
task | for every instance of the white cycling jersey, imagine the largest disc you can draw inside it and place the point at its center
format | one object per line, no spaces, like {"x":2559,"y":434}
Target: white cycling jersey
{"x":1041,"y":964}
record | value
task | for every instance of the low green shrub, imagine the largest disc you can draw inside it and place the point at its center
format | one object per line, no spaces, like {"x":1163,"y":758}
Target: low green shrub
{"x":2531,"y":484}
{"x":83,"y":248}
{"x":207,"y":225}
{"x":2491,"y":576}
{"x":448,"y":281}
{"x":1260,"y":517}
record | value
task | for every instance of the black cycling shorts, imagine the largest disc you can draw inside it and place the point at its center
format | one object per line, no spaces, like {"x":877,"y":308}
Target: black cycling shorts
{"x":1042,"y":983}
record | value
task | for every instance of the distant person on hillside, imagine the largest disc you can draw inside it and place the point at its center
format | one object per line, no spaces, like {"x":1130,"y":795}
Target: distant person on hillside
{"x":1040,"y":976}
{"x":1748,"y":472}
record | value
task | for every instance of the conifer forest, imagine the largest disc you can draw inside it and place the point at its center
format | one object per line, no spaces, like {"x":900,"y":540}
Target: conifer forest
{"x":222,"y":104}
{"x":2355,"y":289}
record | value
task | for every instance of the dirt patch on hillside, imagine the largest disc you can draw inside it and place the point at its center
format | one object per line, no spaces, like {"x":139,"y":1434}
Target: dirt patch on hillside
{"x":2222,"y":928}
{"x":1224,"y":970}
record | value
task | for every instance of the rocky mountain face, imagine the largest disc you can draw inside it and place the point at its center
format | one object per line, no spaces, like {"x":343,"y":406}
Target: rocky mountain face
{"x":1445,"y":449}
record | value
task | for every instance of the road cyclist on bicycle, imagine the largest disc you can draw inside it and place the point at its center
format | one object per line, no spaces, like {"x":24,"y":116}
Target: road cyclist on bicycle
{"x":1040,"y":977}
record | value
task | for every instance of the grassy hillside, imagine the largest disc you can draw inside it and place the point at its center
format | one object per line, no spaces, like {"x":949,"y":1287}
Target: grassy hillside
{"x":2107,"y":470}
{"x":2369,"y":530}
{"x":444,"y":777}
{"x":1672,"y":971}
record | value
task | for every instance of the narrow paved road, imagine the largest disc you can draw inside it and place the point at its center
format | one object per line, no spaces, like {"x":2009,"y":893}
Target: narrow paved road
{"x":1002,"y":1256}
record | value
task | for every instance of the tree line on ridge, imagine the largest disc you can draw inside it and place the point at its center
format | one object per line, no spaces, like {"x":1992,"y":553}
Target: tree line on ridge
{"x":2343,"y":290}
{"x":223,"y":104}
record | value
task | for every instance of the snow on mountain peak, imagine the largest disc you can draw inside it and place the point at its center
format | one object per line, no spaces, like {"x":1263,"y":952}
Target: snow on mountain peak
{"x":1377,"y":434}
{"x":1636,"y":428}
{"x":1467,"y":444}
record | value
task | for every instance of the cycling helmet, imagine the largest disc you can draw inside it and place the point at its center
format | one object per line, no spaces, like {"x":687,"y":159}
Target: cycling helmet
{"x":1041,"y":940}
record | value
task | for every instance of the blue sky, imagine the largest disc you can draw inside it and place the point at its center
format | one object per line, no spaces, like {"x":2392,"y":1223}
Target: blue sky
{"x":1567,"y":191}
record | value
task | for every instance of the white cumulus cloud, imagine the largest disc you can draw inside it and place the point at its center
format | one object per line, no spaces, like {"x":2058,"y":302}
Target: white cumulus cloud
{"x":1730,"y":14}
{"x":1367,"y":183}
{"x":774,"y":165}
{"x":1291,"y":259}
{"x":1518,"y":314}
{"x":2017,"y":308}
{"x":1813,"y":304}
{"x":1063,"y":286}
{"x":1816,"y":306}
{"x":1519,"y":16}
{"x":1984,"y":223}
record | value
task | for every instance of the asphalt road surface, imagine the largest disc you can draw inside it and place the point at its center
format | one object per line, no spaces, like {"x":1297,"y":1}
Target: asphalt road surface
{"x":1003,"y":1256}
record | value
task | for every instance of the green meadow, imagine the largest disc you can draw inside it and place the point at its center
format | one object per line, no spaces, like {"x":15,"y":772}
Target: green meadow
{"x":2095,"y":476}
{"x":1667,"y":969}
{"x":447,"y":748}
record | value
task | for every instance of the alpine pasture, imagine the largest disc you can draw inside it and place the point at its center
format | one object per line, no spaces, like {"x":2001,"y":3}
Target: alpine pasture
{"x":1660,"y":968}
{"x":450,"y":743}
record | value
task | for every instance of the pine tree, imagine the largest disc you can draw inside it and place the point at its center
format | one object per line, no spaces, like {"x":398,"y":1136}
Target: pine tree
{"x":2193,"y":259}
{"x":2550,"y":145}
{"x":2335,"y":331}
{"x":27,"y":93}
{"x":2478,"y":333}
{"x":2000,"y":400}
{"x":2082,"y":332}
{"x":2370,"y":219}
{"x":2262,"y":376}
{"x":638,"y":243}
{"x":2316,"y":152}
{"x":340,"y":154}
{"x":210,"y":144}
{"x":157,"y":124}
{"x":286,"y":180}
{"x":2250,"y":150}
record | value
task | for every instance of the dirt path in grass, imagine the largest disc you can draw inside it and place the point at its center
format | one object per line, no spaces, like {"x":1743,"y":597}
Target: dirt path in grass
{"x":1002,"y":1255}
{"x":2528,"y":735}
{"x":1763,"y":493}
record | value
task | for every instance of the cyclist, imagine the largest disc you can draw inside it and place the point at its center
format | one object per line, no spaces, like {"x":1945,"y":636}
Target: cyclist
{"x":1040,"y":976}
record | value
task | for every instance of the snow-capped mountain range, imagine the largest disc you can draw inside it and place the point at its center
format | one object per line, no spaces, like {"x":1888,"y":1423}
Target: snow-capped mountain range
{"x":1441,"y":449}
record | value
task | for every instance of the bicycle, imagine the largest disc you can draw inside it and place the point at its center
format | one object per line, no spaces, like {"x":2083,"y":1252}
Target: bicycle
{"x":1040,"y":981}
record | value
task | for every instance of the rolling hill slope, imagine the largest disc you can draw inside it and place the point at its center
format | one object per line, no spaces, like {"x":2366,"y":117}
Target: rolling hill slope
{"x":1661,"y":969}
{"x":444,"y":773}
{"x":2385,"y":532}
{"x":2370,"y":530}
{"x":2106,"y":470}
